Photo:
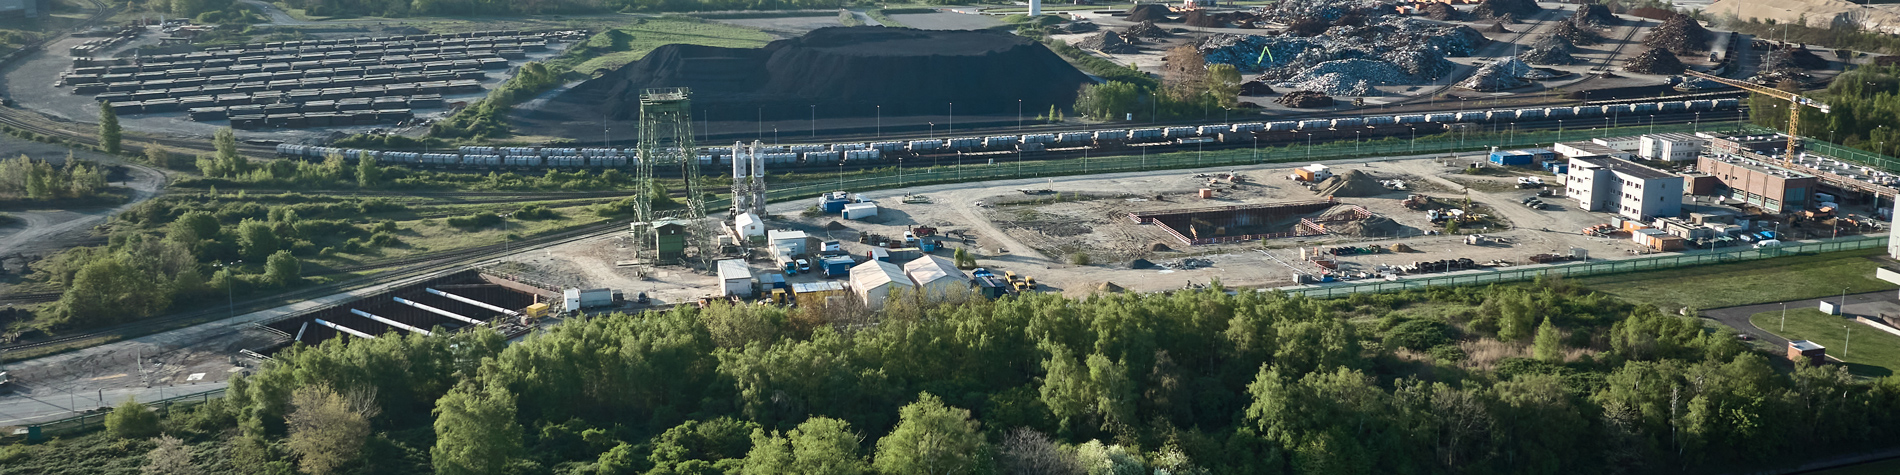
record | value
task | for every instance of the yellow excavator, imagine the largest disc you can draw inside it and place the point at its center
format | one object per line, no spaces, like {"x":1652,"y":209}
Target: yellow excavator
{"x":1794,"y":110}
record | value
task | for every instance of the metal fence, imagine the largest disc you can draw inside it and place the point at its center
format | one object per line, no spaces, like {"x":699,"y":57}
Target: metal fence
{"x":90,"y":420}
{"x":925,"y":171}
{"x":1669,"y":261}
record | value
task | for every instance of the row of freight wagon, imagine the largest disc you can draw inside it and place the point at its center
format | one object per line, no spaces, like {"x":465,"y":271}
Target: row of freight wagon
{"x":300,"y":120}
{"x":85,"y":83}
{"x":302,"y":51}
{"x":211,"y":113}
{"x":310,"y":87}
{"x":810,"y":154}
{"x":296,"y":103}
{"x":496,"y":157}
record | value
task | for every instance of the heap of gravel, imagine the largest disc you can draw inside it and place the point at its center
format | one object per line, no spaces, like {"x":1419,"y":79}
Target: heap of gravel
{"x":1325,"y":11}
{"x":1376,"y":226}
{"x":1351,"y":184}
{"x":1079,"y":27}
{"x":1594,"y":14}
{"x":1790,"y":57}
{"x":1654,"y":61}
{"x":1347,"y":77}
{"x":1498,"y":76}
{"x":1106,"y":42}
{"x":1440,"y":11}
{"x":1550,"y":51}
{"x":1679,"y":34}
{"x":1255,"y":88}
{"x":1140,"y":264}
{"x":1305,"y":99}
{"x":1581,"y":35}
{"x":1145,"y":29}
{"x":1500,"y":8}
{"x":1349,"y":59}
{"x":1148,"y":12}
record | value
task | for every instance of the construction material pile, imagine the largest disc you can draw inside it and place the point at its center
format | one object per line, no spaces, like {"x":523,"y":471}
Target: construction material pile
{"x":1498,"y":76}
{"x":1496,"y":28}
{"x":1326,"y":11}
{"x":1550,"y":51}
{"x":1255,"y":88}
{"x":905,"y":71}
{"x":1594,"y":14}
{"x":1696,"y":84}
{"x":1351,"y":184}
{"x":1305,"y":99}
{"x":1792,"y":57}
{"x":1679,"y":34}
{"x":1500,"y":8}
{"x":1440,"y":11}
{"x":1654,"y":61}
{"x":1148,"y":12}
{"x":1376,"y":226}
{"x":1577,"y":34}
{"x":1203,"y":18}
{"x":1145,"y":29}
{"x":1106,"y":42}
{"x":1079,"y":27}
{"x":1391,"y":51}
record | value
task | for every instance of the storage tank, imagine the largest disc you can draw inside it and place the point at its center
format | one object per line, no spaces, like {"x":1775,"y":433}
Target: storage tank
{"x":1250,"y":127}
{"x":1441,"y":117}
{"x":1283,"y":126}
{"x":1111,"y":135}
{"x":1312,"y":124}
{"x":1347,"y":122}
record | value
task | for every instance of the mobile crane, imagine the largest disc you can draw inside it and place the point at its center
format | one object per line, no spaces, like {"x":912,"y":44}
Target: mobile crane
{"x":1794,"y":110}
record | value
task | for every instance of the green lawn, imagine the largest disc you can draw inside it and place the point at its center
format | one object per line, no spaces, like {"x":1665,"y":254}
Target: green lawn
{"x":1872,"y":352}
{"x":1746,"y":283}
{"x":655,"y":32}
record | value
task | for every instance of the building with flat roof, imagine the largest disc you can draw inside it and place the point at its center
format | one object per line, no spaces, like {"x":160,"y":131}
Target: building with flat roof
{"x":1589,"y":149}
{"x":1803,"y":351}
{"x":1735,"y":144}
{"x":1630,"y":143}
{"x":1623,"y":187}
{"x":735,"y":278}
{"x":1674,"y":147}
{"x":1772,"y":188}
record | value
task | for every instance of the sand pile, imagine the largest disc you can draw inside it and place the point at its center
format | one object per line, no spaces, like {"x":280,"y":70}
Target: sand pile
{"x":1654,"y":61}
{"x":1109,"y":288}
{"x":1376,"y":226}
{"x":903,"y":70}
{"x":1679,"y":34}
{"x":1106,"y":42}
{"x":1305,"y":99}
{"x":1353,"y":183}
{"x":1496,"y":28}
{"x":1148,"y":12}
{"x":1079,"y":27}
{"x":1140,"y":264}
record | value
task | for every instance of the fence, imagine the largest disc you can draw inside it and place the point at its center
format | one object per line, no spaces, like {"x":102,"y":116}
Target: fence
{"x":88,"y":420}
{"x":1595,"y":268}
{"x":1014,"y":166}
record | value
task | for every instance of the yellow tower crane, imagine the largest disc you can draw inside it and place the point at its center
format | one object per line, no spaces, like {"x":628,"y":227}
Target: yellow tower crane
{"x":1794,"y":109}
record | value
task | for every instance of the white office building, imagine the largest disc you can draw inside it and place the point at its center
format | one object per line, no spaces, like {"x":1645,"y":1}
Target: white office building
{"x":1623,"y":187}
{"x":1671,"y":147}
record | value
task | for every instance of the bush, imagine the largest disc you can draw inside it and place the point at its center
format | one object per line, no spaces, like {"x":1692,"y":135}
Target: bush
{"x":1079,"y":258}
{"x":383,"y":239}
{"x":327,"y":252}
{"x":536,"y":213}
{"x":132,"y":420}
{"x":1417,"y":335}
{"x":475,"y":221}
{"x":1448,"y":353}
{"x":813,"y":212}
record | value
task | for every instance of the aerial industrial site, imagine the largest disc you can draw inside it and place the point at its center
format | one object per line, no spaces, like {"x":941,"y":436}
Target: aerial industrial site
{"x":1019,"y":237}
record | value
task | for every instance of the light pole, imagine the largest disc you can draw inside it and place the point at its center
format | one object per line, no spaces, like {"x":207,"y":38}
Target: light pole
{"x":230,"y":276}
{"x":1414,"y":139}
{"x":953,"y":119}
{"x":1309,"y":145}
{"x":933,"y":131}
{"x":504,"y":232}
{"x":900,"y":172}
{"x":880,"y":121}
{"x":1019,"y":116}
{"x":814,"y":120}
{"x":1355,"y":142}
{"x":1560,"y":130}
{"x":1850,"y":340}
{"x":1784,"y":316}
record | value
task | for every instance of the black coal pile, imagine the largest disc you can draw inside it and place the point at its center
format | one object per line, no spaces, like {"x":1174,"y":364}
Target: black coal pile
{"x":1148,"y":12}
{"x":1306,"y":99}
{"x":1204,"y":19}
{"x":1496,"y":28}
{"x":1499,"y":8}
{"x":1679,"y":34}
{"x":1654,"y":61}
{"x":1106,"y":42}
{"x":1146,"y":29}
{"x":1550,"y":51}
{"x":1791,"y":57}
{"x":1578,"y":35}
{"x":905,"y":71}
{"x":1594,"y":14}
{"x":1440,"y":11}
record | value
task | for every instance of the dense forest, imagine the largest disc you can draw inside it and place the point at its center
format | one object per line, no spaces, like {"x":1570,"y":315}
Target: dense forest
{"x":1865,"y":105}
{"x":1529,"y":378}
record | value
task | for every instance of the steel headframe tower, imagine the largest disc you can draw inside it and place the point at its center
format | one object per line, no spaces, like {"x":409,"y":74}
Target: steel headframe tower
{"x":666,"y":140}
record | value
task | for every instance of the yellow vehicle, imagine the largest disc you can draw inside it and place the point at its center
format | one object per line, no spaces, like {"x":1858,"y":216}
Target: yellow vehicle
{"x":537,"y":310}
{"x":1020,"y":286}
{"x":1031,"y":281}
{"x":779,"y":297}
{"x":1011,"y":276}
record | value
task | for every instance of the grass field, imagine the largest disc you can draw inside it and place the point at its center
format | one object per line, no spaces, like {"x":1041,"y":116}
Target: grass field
{"x":1872,"y":353}
{"x":655,"y":32}
{"x":1746,"y":283}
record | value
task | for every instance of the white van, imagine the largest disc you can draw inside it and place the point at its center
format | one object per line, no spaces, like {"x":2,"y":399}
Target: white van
{"x":1768,"y":243}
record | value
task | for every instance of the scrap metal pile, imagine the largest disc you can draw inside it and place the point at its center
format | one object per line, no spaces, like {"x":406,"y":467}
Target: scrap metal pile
{"x":1788,"y":63}
{"x":1107,"y":42}
{"x":1578,"y":33}
{"x":1550,"y":51}
{"x":1509,"y":10}
{"x":1145,"y":29}
{"x":1305,"y":99}
{"x":1346,"y":59}
{"x":1654,"y":61}
{"x":1498,"y":76}
{"x":1594,"y":14}
{"x":1679,"y":34}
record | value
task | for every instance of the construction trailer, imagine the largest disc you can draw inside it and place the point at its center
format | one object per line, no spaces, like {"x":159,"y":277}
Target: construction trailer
{"x":735,"y":278}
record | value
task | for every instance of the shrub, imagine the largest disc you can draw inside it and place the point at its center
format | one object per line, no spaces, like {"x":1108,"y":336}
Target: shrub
{"x":536,"y":213}
{"x":475,"y":221}
{"x":1417,"y":335}
{"x":132,"y":420}
{"x":1079,"y":258}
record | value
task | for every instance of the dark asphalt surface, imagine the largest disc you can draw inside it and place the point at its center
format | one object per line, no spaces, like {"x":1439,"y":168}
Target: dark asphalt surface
{"x":1737,"y":317}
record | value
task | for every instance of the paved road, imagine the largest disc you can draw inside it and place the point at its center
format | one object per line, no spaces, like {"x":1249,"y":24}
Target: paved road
{"x":1737,"y":317}
{"x":43,"y":227}
{"x":26,"y":407}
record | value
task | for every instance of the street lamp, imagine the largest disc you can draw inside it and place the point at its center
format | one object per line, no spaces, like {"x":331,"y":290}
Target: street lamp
{"x":1560,"y":130}
{"x":1784,"y":316}
{"x":230,"y":276}
{"x":1414,"y":138}
{"x":880,"y":121}
{"x":900,"y":172}
{"x":1019,"y":115}
{"x":1309,"y":145}
{"x":814,"y":120}
{"x":953,"y":119}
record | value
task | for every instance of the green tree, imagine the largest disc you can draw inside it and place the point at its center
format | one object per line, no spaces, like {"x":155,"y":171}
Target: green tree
{"x":157,"y":155}
{"x":1223,"y":82}
{"x":109,"y":133}
{"x":229,"y":161}
{"x":131,"y":420}
{"x":1548,"y":346}
{"x":1107,"y":101}
{"x":256,"y":240}
{"x":108,"y":291}
{"x":475,"y":431}
{"x":962,"y":259}
{"x":820,"y":445}
{"x":931,"y":438}
{"x":368,"y":173}
{"x":283,"y":270}
{"x":170,"y":456}
{"x":327,"y":429}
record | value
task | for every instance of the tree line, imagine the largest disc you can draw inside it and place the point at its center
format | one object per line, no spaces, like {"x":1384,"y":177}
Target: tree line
{"x":24,"y":178}
{"x":1190,"y":88}
{"x":1533,"y":378}
{"x":1865,"y":104}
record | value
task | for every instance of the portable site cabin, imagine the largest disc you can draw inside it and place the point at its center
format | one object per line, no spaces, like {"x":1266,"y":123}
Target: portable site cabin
{"x":936,"y":277}
{"x":748,"y":225}
{"x":860,"y":210}
{"x":735,"y":278}
{"x":874,"y":281}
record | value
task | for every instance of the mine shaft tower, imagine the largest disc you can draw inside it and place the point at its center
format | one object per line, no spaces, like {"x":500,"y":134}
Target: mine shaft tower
{"x":666,"y":140}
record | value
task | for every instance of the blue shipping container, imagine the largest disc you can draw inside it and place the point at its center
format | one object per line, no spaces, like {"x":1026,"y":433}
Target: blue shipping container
{"x":1511,"y":158}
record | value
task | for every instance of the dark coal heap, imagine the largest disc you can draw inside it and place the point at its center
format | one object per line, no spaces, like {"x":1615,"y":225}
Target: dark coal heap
{"x":903,"y":70}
